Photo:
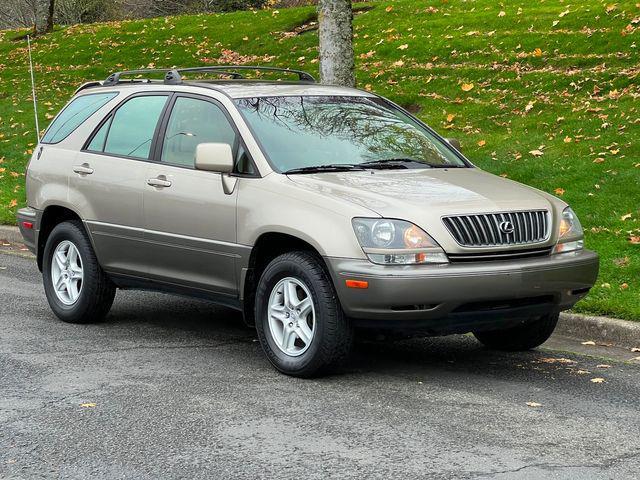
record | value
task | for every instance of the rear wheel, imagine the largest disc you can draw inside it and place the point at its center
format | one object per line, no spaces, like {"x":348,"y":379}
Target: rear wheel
{"x":523,"y":337}
{"x":76,"y":287}
{"x":299,"y":320}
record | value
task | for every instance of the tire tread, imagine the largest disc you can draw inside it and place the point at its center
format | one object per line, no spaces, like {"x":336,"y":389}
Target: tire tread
{"x":335,"y":350}
{"x":98,"y":287}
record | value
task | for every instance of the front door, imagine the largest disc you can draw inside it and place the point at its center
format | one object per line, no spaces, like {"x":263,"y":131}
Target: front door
{"x":190,"y":222}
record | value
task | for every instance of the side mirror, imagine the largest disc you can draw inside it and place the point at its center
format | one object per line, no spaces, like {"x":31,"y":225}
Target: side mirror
{"x":214,"y":157}
{"x":455,"y":143}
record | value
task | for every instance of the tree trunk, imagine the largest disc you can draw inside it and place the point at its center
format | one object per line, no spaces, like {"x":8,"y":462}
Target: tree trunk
{"x":336,"y":42}
{"x":49,"y":27}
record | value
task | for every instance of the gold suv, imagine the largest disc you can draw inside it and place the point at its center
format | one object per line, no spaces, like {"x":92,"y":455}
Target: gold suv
{"x":312,"y":209}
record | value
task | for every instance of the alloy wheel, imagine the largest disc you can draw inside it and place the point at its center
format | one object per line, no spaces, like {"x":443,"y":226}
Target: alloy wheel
{"x":292,"y":318}
{"x":66,"y":272}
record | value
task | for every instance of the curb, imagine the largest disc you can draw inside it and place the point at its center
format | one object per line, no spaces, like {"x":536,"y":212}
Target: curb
{"x":624,"y":333}
{"x":582,"y":327}
{"x":10,"y":233}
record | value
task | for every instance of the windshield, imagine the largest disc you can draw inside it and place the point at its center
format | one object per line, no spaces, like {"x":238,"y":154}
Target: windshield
{"x":303,"y":132}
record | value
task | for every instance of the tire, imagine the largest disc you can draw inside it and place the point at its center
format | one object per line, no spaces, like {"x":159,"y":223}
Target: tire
{"x":95,"y":291}
{"x":523,"y":337}
{"x":331,"y":332}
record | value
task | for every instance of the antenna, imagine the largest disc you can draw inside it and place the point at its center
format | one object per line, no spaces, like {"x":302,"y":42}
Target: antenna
{"x":33,"y":91}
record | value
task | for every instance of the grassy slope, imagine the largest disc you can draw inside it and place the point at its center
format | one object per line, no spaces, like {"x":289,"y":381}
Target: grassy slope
{"x":581,"y":87}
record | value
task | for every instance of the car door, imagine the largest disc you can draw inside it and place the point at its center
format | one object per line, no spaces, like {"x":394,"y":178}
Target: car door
{"x":190,"y":221}
{"x":108,"y":182}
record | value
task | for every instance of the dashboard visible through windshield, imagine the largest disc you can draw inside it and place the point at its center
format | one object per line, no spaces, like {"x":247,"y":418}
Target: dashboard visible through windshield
{"x":301,"y":134}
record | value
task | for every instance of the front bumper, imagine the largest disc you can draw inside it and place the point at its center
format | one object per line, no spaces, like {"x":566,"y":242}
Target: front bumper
{"x":457,"y":298}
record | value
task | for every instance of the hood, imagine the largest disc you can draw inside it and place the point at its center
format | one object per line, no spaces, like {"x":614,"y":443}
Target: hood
{"x":423,"y":196}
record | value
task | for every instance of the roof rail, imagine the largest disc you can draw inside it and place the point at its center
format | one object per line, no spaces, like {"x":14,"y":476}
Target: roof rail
{"x":173,"y":76}
{"x":114,"y":78}
{"x":87,"y":85}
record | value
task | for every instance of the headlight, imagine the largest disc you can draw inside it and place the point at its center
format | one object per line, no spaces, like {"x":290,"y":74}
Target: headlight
{"x":570,"y":234}
{"x":396,"y":242}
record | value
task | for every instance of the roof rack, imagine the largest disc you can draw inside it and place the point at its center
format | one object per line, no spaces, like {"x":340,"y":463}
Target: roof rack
{"x":172,"y":76}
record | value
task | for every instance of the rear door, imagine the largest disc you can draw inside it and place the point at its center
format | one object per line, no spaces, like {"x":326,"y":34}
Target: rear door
{"x":190,"y":221}
{"x":108,"y":181}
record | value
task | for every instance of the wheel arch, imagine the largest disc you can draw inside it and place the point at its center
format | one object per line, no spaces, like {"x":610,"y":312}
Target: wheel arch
{"x":268,"y":246}
{"x":52,"y":216}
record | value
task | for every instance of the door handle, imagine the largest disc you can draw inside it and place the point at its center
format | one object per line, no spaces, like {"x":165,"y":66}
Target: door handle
{"x":159,"y":182}
{"x":83,"y":169}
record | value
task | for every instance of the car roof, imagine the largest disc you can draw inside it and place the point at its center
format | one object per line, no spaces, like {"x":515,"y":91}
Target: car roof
{"x":247,"y":88}
{"x":240,"y":88}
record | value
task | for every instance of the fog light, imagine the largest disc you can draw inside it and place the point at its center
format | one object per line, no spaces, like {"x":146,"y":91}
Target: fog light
{"x":569,"y":246}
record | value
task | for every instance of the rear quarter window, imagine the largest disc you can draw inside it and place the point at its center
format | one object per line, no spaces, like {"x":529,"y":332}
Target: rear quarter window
{"x":74,"y":114}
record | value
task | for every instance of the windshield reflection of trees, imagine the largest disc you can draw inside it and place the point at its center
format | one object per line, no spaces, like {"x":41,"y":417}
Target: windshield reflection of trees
{"x":377,"y":130}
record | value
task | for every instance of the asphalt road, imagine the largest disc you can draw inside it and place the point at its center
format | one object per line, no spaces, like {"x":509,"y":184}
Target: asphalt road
{"x":176,"y":388}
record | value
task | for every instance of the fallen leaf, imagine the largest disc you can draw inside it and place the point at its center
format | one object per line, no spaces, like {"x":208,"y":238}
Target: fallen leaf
{"x":537,"y":52}
{"x":88,"y":405}
{"x":624,"y":286}
{"x":634,"y":358}
{"x":603,"y":365}
{"x":450,"y":117}
{"x":582,"y":372}
{"x":626,"y":217}
{"x":567,"y":139}
{"x":599,"y":160}
{"x":597,"y":380}
{"x":536,"y":153}
{"x":622,"y":261}
{"x":388,"y":9}
{"x":482,"y":143}
{"x":466,"y":87}
{"x":555,"y":360}
{"x":611,"y":7}
{"x":634,"y":239}
{"x":502,"y":13}
{"x":13,"y":203}
{"x":590,"y":342}
{"x":528,"y":107}
{"x":403,"y":47}
{"x":398,"y":63}
{"x":534,"y":404}
{"x":559,"y":191}
{"x":635,"y":349}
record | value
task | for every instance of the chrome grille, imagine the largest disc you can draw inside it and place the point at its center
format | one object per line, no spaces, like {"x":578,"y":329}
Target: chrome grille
{"x":486,"y":230}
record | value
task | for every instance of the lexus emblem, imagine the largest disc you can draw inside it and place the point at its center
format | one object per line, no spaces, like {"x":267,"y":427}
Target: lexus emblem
{"x":506,"y":227}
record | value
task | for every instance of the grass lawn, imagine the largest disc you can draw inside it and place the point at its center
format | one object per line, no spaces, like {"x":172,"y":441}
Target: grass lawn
{"x":544,"y":92}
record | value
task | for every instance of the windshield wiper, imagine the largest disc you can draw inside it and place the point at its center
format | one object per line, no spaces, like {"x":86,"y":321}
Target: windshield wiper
{"x":334,"y":167}
{"x":401,"y":163}
{"x":393,"y":163}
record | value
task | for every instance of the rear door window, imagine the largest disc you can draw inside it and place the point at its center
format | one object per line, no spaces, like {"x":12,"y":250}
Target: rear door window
{"x":131,"y":128}
{"x":80,"y":109}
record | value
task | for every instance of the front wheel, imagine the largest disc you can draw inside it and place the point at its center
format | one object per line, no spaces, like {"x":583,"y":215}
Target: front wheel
{"x":76,"y":287}
{"x":523,"y":337}
{"x":299,"y":320}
